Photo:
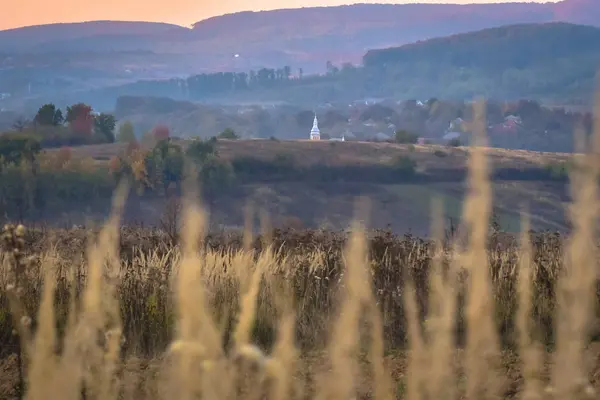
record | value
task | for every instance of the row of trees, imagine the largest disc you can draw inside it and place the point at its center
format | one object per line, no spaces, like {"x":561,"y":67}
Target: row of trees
{"x":160,"y":169}
{"x":77,"y":125}
{"x":34,"y":183}
{"x":206,"y":84}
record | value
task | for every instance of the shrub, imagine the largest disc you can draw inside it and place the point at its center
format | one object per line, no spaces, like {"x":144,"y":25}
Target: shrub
{"x":404,"y":137}
{"x":228,"y":134}
{"x":454,"y":143}
{"x":16,"y":147}
{"x":558,"y":171}
{"x":126,"y":133}
{"x":440,"y":153}
{"x":284,"y":161}
{"x":200,"y":149}
{"x":405,"y":165}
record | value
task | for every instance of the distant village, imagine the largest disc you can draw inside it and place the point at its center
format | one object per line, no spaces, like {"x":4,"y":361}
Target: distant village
{"x":455,"y":130}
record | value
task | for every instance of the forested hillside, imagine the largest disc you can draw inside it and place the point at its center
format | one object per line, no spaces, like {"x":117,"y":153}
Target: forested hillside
{"x":59,"y":62}
{"x":550,"y":61}
{"x":554,"y":63}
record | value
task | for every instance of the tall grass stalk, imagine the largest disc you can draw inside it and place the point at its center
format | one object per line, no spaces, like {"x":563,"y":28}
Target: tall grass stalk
{"x":213,"y":303}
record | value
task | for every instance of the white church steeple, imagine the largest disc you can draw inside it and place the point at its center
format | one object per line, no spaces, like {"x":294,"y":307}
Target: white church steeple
{"x":315,"y":134}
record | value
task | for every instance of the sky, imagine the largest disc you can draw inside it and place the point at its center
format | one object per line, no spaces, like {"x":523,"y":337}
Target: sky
{"x":182,"y":12}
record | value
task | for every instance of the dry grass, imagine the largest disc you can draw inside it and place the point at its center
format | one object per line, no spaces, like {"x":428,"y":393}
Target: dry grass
{"x":294,"y":321}
{"x":307,"y":153}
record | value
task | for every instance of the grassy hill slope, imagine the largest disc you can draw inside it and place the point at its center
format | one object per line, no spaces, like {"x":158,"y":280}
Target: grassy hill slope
{"x":403,"y":205}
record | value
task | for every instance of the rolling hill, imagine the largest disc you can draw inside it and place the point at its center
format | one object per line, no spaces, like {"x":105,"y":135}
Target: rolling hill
{"x":64,"y":61}
{"x":554,"y":63}
{"x":304,"y":37}
{"x":44,"y":38}
{"x":543,"y":61}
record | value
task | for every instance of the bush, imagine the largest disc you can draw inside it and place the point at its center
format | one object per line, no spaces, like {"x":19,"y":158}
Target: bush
{"x":15,"y":147}
{"x":200,"y":149}
{"x":228,"y":134}
{"x":405,"y":165}
{"x":126,"y":133}
{"x":558,"y":171}
{"x":285,"y":161}
{"x":440,"y":153}
{"x":454,"y":143}
{"x":405,"y":137}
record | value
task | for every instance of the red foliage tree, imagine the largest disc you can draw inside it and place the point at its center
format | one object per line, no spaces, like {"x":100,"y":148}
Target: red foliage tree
{"x":80,"y":119}
{"x":161,"y":132}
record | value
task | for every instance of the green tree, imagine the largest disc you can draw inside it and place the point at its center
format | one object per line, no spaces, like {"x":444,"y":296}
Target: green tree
{"x":126,"y":133}
{"x":228,"y":134}
{"x":405,"y":166}
{"x":49,"y":115}
{"x":199,"y":150}
{"x":215,"y":176}
{"x":16,"y":148}
{"x":164,"y":165}
{"x":105,"y":125}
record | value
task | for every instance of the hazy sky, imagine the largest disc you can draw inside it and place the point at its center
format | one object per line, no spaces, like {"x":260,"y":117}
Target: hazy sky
{"x":183,"y":12}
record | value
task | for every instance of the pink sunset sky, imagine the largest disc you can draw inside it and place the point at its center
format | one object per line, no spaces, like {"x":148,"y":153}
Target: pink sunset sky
{"x":181,"y":12}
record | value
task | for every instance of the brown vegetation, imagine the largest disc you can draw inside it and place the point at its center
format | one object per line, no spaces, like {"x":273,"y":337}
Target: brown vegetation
{"x":308,"y":153}
{"x":307,"y":314}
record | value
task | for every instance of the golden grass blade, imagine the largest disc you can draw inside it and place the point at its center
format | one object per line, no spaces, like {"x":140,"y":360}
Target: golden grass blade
{"x":440,"y":319}
{"x":344,"y":340}
{"x":529,"y":349}
{"x":576,"y":288}
{"x":382,"y":385}
{"x":416,"y":361}
{"x":285,"y":355}
{"x":43,"y":363}
{"x":482,"y":344}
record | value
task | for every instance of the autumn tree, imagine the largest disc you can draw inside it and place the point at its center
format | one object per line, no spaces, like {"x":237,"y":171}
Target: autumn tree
{"x":161,"y":132}
{"x":126,"y":133}
{"x":80,"y":119}
{"x":164,"y":165}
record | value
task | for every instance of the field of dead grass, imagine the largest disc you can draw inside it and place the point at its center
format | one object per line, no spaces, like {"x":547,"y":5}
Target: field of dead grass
{"x":307,"y":153}
{"x":476,"y":315}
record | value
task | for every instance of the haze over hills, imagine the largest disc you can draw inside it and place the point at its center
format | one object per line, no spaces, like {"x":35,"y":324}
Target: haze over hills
{"x":69,"y":60}
{"x":553,"y":63}
{"x":305,"y":37}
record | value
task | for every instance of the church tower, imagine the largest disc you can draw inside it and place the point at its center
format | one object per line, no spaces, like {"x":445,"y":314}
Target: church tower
{"x":315,"y":134}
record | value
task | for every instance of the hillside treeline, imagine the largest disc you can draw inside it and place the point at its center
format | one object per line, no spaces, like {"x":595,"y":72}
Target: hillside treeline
{"x":553,"y":62}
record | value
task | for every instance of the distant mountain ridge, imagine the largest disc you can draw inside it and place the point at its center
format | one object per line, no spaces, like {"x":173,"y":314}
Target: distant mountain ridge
{"x":304,"y":37}
{"x":34,"y":37}
{"x":67,"y":60}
